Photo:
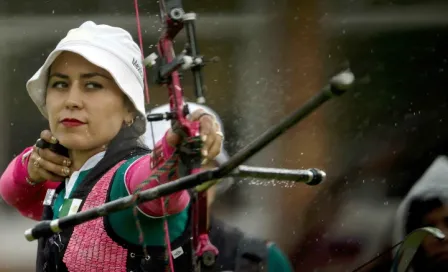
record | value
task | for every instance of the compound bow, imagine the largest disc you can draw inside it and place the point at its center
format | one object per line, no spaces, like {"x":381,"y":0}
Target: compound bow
{"x":166,"y":65}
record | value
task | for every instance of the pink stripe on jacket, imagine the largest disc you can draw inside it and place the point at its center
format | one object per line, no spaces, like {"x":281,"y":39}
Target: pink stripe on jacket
{"x":28,"y":199}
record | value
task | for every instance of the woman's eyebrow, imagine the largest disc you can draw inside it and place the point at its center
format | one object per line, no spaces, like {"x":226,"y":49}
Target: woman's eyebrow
{"x":58,"y":75}
{"x":90,"y":75}
{"x":87,"y":75}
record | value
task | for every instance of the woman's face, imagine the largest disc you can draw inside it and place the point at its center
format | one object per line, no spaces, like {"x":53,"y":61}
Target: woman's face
{"x":86,"y":108}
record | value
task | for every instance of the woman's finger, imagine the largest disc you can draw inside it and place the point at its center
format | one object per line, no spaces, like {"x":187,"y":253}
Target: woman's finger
{"x":53,"y":157}
{"x":35,"y":160}
{"x":210,"y":134}
{"x":218,"y":141}
{"x":197,"y":114}
{"x":215,"y":148}
{"x":59,"y":170}
{"x":33,"y":167}
{"x":38,"y":163}
{"x":214,"y":141}
{"x":207,"y":134}
{"x":48,"y":136}
{"x":48,"y":175}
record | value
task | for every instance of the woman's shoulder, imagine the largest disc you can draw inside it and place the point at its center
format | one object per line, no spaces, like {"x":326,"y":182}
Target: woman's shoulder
{"x":130,"y":165}
{"x":128,"y":170}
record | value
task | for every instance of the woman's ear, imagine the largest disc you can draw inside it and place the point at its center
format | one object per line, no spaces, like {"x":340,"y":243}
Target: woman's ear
{"x":129,"y":111}
{"x":129,"y":118}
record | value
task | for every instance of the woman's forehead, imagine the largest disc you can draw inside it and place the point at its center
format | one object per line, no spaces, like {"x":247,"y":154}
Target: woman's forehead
{"x":72,"y":63}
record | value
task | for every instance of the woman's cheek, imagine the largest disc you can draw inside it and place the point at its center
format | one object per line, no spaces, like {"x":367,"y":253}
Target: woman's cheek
{"x":52,"y":122}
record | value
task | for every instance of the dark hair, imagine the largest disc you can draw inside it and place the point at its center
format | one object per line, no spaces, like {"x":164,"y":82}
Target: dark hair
{"x":418,"y":209}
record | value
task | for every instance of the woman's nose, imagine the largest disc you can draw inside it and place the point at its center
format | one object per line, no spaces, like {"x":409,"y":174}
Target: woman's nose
{"x":74,"y":97}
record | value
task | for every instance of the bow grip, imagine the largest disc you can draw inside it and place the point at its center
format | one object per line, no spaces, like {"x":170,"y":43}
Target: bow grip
{"x":191,"y":155}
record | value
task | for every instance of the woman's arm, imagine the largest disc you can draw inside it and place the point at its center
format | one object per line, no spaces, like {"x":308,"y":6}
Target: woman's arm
{"x":126,"y":180}
{"x":146,"y":166}
{"x":17,"y":192}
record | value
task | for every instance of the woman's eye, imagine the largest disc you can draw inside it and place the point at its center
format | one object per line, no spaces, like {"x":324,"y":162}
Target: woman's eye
{"x":59,"y":84}
{"x":93,"y":85}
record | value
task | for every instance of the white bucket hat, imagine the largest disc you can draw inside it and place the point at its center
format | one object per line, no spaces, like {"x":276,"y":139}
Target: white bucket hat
{"x":160,"y":128}
{"x":111,"y":48}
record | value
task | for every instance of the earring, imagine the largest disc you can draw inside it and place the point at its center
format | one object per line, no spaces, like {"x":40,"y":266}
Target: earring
{"x":129,"y":123}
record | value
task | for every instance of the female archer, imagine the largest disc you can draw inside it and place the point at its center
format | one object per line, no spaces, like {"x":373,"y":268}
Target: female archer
{"x":90,"y":89}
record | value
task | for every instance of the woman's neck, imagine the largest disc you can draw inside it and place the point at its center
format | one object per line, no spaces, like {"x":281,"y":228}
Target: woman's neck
{"x":80,"y":157}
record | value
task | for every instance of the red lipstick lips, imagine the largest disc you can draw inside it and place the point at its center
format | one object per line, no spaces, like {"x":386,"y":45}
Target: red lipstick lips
{"x":70,"y":122}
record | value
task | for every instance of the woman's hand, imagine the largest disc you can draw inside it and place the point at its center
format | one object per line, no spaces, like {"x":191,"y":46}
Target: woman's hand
{"x":45,"y":164}
{"x":211,"y":135}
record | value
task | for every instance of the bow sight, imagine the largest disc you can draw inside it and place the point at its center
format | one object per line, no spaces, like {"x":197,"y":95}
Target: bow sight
{"x":189,"y":58}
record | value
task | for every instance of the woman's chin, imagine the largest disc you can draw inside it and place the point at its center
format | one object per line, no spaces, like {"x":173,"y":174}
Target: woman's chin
{"x":75,"y":143}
